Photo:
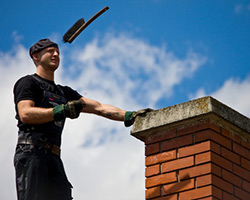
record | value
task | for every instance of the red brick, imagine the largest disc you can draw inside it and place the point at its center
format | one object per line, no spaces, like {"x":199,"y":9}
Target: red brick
{"x":241,"y":150}
{"x":204,"y":180}
{"x":195,"y":171}
{"x":230,"y":155}
{"x":216,"y":181}
{"x":231,"y":178}
{"x":160,"y":136}
{"x":211,"y":135}
{"x":178,"y":187}
{"x":198,"y":127}
{"x":217,"y":192}
{"x":161,"y":179}
{"x":209,"y":198}
{"x":241,"y":194}
{"x":216,"y":170}
{"x":203,"y":135}
{"x":168,"y":197}
{"x":245,"y":143}
{"x":194,"y":149}
{"x":215,"y":147}
{"x":202,"y":158}
{"x":152,"y":149}
{"x":246,"y":185}
{"x":152,"y":170}
{"x":176,"y":142}
{"x":245,"y":163}
{"x":200,"y":170}
{"x":177,"y":164}
{"x":222,"y":162}
{"x":201,"y":192}
{"x":153,"y":192}
{"x":241,"y":172}
{"x":230,"y":135}
{"x":161,"y":157}
{"x":227,"y":196}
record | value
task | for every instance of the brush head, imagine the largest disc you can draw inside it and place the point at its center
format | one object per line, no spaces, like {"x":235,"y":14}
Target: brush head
{"x":73,"y":30}
{"x":80,"y":25}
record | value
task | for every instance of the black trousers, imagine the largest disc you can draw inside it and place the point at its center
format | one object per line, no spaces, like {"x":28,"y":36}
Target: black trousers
{"x":40,"y":175}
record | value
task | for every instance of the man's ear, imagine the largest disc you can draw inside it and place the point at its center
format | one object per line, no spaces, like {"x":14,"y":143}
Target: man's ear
{"x":36,"y":56}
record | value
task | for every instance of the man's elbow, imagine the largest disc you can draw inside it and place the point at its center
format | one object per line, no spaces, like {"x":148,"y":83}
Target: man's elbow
{"x":24,"y":118}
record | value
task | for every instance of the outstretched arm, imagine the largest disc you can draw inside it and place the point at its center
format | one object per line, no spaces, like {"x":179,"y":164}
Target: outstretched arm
{"x":104,"y":110}
{"x":34,"y":115}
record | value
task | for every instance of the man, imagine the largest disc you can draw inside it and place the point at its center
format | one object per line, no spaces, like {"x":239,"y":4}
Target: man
{"x":41,"y":110}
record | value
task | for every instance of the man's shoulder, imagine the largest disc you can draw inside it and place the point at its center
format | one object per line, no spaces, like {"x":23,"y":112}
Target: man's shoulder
{"x":24,"y":88}
{"x":25,"y":78}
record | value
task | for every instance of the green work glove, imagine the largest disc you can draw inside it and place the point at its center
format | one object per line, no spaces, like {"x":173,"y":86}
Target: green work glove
{"x":71,"y":110}
{"x":131,"y":115}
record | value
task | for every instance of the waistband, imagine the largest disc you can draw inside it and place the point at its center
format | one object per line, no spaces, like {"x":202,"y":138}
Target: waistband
{"x":50,"y":147}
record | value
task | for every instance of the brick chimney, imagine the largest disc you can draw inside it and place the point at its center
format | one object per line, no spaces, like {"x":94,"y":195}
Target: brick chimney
{"x":196,"y":150}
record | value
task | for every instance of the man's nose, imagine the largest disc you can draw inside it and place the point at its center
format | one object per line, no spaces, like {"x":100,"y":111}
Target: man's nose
{"x":56,"y":53}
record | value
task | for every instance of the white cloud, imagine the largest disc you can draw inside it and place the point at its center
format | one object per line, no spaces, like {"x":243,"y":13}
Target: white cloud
{"x":136,"y":68}
{"x":234,"y":93}
{"x":242,"y":9}
{"x":100,"y":156}
{"x":12,"y":65}
{"x":16,"y":37}
{"x":238,"y":8}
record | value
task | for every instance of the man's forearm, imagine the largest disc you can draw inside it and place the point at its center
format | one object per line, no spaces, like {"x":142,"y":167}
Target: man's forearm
{"x":111,"y":112}
{"x":104,"y":110}
{"x":29,"y":114}
{"x":35,"y":115}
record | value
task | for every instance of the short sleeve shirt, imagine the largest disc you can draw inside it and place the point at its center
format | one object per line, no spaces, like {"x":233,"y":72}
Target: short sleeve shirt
{"x":28,"y":88}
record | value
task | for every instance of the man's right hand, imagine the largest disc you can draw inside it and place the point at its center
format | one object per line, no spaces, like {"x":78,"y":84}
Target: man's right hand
{"x":71,"y":110}
{"x":131,"y":115}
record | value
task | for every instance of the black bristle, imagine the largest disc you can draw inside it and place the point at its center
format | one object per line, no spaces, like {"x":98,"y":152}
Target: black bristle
{"x":72,"y":30}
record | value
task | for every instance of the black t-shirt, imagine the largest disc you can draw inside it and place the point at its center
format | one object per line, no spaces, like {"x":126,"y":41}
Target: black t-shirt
{"x":28,"y":88}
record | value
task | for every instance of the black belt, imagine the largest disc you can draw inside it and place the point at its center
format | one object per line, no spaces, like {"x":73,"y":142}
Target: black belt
{"x":50,"y":147}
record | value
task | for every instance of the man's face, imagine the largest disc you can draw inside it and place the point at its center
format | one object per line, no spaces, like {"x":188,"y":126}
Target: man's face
{"x":49,"y":58}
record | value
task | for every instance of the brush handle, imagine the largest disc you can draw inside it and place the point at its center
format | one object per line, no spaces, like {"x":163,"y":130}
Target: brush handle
{"x":71,"y":39}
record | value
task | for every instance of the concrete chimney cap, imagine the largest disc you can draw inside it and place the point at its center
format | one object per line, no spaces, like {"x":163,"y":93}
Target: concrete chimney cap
{"x":188,"y":111}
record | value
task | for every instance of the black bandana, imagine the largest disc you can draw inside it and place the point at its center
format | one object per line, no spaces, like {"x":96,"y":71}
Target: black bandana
{"x":40,"y":45}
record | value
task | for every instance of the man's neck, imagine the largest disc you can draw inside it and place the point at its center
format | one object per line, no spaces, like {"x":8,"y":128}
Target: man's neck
{"x":49,"y":75}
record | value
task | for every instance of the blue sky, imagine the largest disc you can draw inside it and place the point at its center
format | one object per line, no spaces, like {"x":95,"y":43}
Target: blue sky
{"x":218,"y":30}
{"x":151,"y":53}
